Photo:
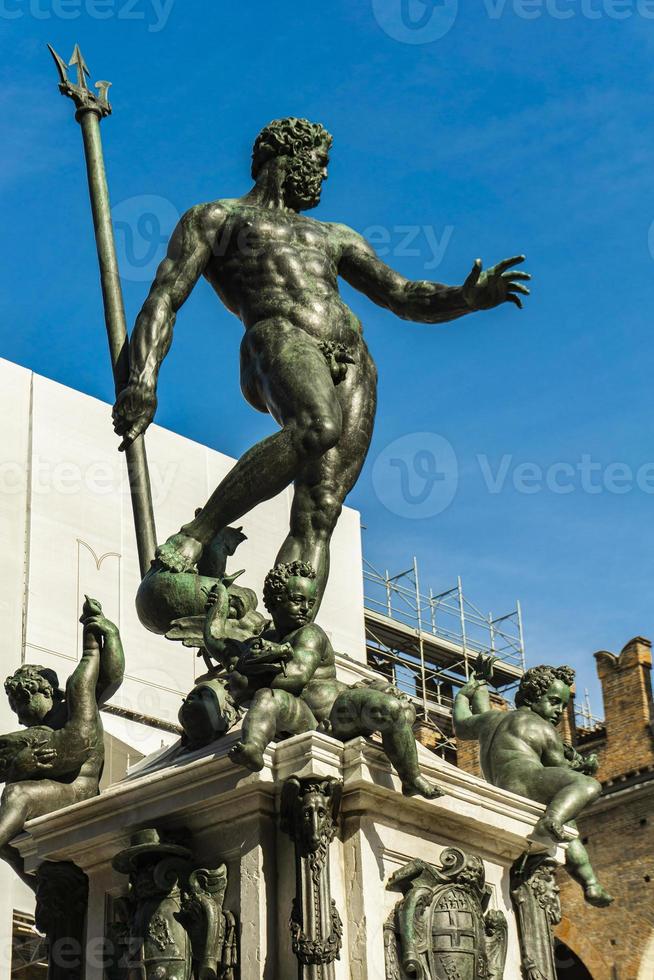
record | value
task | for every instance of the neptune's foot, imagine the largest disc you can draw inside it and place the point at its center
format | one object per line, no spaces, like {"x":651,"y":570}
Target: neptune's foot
{"x":422,"y":787}
{"x":180,"y":553}
{"x":248,"y":755}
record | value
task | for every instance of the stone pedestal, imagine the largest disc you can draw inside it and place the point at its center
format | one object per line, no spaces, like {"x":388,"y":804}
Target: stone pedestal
{"x":232,"y":816}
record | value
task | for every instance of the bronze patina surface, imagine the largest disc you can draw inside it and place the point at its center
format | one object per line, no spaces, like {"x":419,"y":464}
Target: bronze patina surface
{"x":303,"y":357}
{"x":285,"y":678}
{"x":57,"y":759}
{"x":521,"y":751}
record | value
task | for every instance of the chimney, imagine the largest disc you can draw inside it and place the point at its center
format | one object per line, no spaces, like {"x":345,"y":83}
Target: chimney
{"x":627,"y":694}
{"x":567,"y":727}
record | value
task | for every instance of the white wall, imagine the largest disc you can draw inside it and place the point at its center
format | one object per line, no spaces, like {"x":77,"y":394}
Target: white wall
{"x":15,"y":390}
{"x":66,"y":530}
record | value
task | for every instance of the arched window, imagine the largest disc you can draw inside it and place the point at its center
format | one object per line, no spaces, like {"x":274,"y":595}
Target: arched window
{"x":568,"y":964}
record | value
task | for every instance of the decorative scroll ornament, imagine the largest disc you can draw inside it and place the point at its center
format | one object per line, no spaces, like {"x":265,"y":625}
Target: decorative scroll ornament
{"x":172,"y":923}
{"x":309,"y":813}
{"x":441,"y":930}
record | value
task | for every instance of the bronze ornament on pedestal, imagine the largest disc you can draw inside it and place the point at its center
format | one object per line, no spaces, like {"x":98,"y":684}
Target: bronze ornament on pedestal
{"x":309,"y":814}
{"x":442,"y":928}
{"x":172,"y":922}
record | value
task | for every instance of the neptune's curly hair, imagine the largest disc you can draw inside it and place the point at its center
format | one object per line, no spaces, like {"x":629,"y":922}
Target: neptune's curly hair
{"x":276,"y":579}
{"x":536,"y":680}
{"x":288,"y":137}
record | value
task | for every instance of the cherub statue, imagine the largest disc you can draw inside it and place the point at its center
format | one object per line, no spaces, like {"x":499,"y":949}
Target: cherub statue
{"x":522,"y":752}
{"x":286,"y":678}
{"x":57,"y":760}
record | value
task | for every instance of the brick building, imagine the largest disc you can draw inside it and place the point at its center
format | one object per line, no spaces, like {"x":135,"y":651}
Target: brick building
{"x":617,"y":943}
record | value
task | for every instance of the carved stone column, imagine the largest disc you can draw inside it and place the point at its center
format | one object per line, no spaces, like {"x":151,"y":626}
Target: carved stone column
{"x":62,"y":891}
{"x":535,"y":897}
{"x":309,"y":813}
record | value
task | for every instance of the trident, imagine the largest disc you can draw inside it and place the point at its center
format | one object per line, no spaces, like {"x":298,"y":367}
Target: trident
{"x":90,"y":110}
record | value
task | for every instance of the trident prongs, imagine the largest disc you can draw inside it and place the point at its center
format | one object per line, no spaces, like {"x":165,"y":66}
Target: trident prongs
{"x":85,"y":100}
{"x":61,"y":65}
{"x":77,"y":58}
{"x":103,"y":88}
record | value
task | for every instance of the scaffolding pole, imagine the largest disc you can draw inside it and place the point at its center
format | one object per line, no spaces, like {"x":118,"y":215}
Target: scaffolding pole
{"x":521,"y":635}
{"x":448,"y":615}
{"x":423,"y":678}
{"x":462,"y":613}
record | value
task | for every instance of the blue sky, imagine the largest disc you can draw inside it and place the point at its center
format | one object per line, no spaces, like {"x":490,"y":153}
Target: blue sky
{"x":526,"y":127}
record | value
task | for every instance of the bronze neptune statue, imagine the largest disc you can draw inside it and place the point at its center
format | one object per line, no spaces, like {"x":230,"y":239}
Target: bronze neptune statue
{"x":303,"y":357}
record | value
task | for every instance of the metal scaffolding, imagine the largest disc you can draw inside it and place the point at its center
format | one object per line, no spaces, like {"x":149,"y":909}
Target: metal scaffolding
{"x":427,"y":643}
{"x":584,"y":716}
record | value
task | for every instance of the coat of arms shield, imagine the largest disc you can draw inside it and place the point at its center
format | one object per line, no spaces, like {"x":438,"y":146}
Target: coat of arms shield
{"x":457,"y":946}
{"x":442,"y":929}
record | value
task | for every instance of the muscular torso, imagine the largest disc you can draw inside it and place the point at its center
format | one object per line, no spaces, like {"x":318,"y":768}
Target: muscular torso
{"x":512,"y":740}
{"x":270,"y":263}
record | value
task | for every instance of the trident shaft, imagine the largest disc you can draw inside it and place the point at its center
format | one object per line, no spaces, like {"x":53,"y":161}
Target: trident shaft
{"x":90,"y":110}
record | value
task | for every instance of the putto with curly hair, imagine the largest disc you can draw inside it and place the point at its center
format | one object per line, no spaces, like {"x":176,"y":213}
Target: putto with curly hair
{"x":276,"y":579}
{"x":34,"y":679}
{"x":56,"y":758}
{"x":288,"y":137}
{"x":537,"y":680}
{"x":522,"y":752}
